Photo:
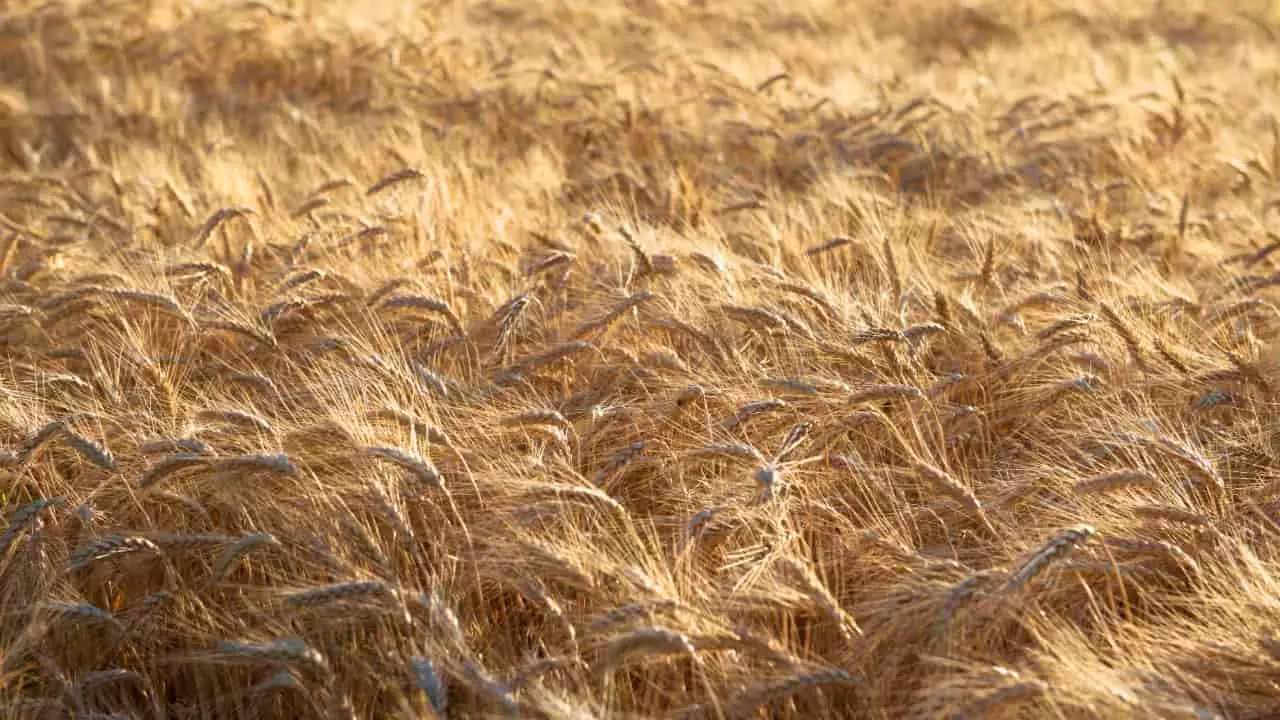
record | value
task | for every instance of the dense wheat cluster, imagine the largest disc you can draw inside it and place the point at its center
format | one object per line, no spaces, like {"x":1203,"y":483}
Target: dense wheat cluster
{"x":578,"y":359}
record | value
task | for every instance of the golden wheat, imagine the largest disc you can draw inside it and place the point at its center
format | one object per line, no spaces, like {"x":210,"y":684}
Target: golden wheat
{"x":610,"y":359}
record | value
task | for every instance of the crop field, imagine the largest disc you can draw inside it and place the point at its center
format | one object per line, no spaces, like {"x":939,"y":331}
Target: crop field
{"x":649,"y":359}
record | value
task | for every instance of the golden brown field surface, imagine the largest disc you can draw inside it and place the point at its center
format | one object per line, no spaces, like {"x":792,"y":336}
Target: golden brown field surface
{"x":650,"y":359}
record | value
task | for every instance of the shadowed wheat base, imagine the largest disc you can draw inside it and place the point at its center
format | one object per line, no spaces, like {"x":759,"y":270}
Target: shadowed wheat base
{"x":660,"y":359}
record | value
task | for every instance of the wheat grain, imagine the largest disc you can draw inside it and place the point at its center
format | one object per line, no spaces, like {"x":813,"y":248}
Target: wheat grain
{"x":356,"y":590}
{"x":878,"y":393}
{"x":1157,"y":548}
{"x":94,"y":679}
{"x":833,"y":244}
{"x":428,"y":680}
{"x":1126,"y":334}
{"x":1192,"y":460}
{"x":751,"y":410}
{"x":551,"y":262}
{"x":587,"y":495}
{"x":155,"y":300}
{"x":430,"y":379}
{"x":618,"y":461}
{"x":1237,"y":309}
{"x":57,"y":301}
{"x":273,"y":464}
{"x":1215,"y":399}
{"x":240,"y":418}
{"x":918,"y":332}
{"x":728,"y":450}
{"x":23,"y":518}
{"x":231,"y":556}
{"x":256,"y":380}
{"x":441,"y":616}
{"x":42,"y":439}
{"x":1008,"y":695}
{"x":818,"y":593}
{"x":172,"y":543}
{"x":169,"y":465}
{"x":1271,"y":646}
{"x":258,"y":335}
{"x":706,"y":340}
{"x":959,"y":594}
{"x":554,"y":354}
{"x":1119,"y":480}
{"x":81,"y":614}
{"x":288,"y":652}
{"x":420,"y":468}
{"x":614,"y":313}
{"x":817,"y":297}
{"x":427,"y":303}
{"x":394,"y":178}
{"x":309,"y":207}
{"x":765,"y":693}
{"x":872,"y":335}
{"x":650,"y":642}
{"x":495,"y":691}
{"x":1058,"y":547}
{"x":1171,"y":514}
{"x":537,"y":417}
{"x":755,"y":317}
{"x":1162,"y":349}
{"x":107,"y":547}
{"x":216,"y":219}
{"x":949,"y":486}
{"x":204,"y":268}
{"x":690,"y":394}
{"x":645,"y":610}
{"x":1065,"y":324}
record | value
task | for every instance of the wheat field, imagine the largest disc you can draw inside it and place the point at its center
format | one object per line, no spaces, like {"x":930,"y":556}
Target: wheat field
{"x":701,"y":359}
